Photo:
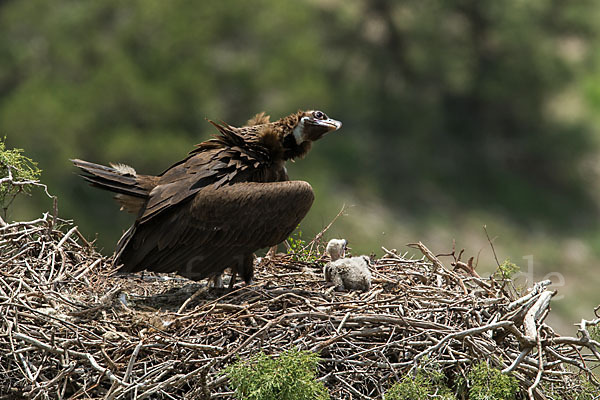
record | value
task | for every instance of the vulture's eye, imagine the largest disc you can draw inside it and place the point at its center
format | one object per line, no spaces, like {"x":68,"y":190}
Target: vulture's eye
{"x":319,"y":115}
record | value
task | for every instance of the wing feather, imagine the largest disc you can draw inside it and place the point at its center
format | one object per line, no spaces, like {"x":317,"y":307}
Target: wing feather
{"x":206,"y":167}
{"x":202,"y":237}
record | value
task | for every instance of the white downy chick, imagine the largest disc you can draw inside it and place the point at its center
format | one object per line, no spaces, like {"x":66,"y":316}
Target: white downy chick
{"x":346,"y":273}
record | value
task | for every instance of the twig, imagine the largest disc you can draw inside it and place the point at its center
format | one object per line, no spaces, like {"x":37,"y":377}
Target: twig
{"x":460,"y":335}
{"x":540,"y":371}
{"x":86,"y":356}
{"x":490,"y":241}
{"x":529,"y":323}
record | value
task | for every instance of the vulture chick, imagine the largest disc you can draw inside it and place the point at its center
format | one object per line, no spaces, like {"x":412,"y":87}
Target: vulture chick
{"x":212,"y":210}
{"x":346,"y":273}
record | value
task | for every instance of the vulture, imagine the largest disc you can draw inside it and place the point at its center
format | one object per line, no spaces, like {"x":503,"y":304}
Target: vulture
{"x":346,"y":273}
{"x":228,"y":198}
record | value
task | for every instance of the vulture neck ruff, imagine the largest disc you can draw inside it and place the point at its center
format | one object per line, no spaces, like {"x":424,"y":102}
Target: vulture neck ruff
{"x":299,"y":131}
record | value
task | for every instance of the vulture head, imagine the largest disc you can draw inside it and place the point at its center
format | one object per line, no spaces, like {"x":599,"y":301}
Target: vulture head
{"x":313,"y":125}
{"x":296,"y":132}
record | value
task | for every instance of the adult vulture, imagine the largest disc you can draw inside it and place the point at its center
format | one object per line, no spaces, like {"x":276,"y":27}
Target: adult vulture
{"x":230,"y":197}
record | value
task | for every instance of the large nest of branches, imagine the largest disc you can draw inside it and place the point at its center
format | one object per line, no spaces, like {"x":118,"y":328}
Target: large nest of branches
{"x":71,"y":327}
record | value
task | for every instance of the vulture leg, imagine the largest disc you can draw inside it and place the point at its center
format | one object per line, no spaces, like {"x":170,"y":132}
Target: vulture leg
{"x":232,"y":280}
{"x":245,"y":269}
{"x":217,"y":281}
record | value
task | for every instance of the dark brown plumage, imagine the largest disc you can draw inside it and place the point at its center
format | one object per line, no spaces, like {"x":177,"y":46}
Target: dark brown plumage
{"x":230,"y":197}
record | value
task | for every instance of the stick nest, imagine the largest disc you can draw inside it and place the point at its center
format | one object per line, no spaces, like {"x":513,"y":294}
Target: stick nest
{"x":71,"y":328}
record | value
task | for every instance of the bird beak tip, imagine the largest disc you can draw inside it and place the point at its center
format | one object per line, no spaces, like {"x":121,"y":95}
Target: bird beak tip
{"x":333,"y":124}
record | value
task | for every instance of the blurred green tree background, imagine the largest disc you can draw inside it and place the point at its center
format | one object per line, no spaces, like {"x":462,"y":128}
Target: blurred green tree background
{"x":456,"y":113}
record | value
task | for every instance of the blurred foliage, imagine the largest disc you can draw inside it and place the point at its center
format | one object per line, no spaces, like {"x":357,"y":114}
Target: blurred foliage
{"x":290,"y":376}
{"x":426,"y":384}
{"x":595,"y":332}
{"x":17,"y":175}
{"x":299,"y":249}
{"x":506,"y":270}
{"x":482,"y":383}
{"x":584,"y":390}
{"x":486,"y":383}
{"x":447,"y":105}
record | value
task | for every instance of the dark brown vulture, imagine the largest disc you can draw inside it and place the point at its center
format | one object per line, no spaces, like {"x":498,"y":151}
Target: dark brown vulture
{"x":230,"y":197}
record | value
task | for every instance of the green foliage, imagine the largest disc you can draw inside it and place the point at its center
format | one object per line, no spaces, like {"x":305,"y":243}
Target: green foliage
{"x":579,"y":388}
{"x":595,"y":332}
{"x":298,"y":248}
{"x":409,"y":388}
{"x":506,"y":270}
{"x":427,"y":384}
{"x":487,"y":383}
{"x":291,"y":376}
{"x":20,"y":169}
{"x":586,"y":391}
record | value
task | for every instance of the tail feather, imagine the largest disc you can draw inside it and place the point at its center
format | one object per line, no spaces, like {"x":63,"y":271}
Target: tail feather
{"x":115,"y":187}
{"x":121,"y":180}
{"x":132,"y":189}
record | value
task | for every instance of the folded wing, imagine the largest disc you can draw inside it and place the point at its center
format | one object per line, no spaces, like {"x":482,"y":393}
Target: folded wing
{"x":215,"y":228}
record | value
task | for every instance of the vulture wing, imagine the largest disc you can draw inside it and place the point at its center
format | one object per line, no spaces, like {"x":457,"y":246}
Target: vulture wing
{"x":216,"y":228}
{"x":221,"y":161}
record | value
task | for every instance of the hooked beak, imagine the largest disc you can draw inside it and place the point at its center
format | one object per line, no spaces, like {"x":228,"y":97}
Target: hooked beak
{"x":311,"y":129}
{"x":329,"y":124}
